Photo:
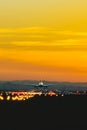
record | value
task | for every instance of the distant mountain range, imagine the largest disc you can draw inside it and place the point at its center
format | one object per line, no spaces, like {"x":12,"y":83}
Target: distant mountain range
{"x":29,"y":84}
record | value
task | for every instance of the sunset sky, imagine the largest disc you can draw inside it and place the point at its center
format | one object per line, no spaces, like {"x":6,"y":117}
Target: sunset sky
{"x":43,"y":40}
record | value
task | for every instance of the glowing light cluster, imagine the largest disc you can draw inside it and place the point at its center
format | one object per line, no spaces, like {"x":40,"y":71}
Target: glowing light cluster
{"x":51,"y":93}
{"x":21,"y":96}
{"x":1,"y":97}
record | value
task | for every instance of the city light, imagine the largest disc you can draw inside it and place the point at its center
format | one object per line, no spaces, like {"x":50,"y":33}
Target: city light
{"x":1,"y":97}
{"x":8,"y":98}
{"x":25,"y":95}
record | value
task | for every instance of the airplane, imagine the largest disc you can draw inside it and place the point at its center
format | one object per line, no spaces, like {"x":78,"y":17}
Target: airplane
{"x":41,"y":85}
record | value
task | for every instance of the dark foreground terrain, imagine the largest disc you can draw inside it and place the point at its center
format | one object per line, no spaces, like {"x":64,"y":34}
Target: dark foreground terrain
{"x":57,"y":113}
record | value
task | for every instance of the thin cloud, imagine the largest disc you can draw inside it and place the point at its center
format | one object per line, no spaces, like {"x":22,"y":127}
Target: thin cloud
{"x":42,"y":39}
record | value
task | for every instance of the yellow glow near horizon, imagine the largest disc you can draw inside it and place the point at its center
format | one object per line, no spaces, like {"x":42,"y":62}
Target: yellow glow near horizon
{"x":43,"y":40}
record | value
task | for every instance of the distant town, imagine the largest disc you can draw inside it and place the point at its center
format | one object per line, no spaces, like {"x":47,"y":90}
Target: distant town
{"x":40,"y":89}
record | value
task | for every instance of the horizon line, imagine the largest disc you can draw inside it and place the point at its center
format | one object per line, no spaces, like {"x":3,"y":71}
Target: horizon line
{"x":43,"y":81}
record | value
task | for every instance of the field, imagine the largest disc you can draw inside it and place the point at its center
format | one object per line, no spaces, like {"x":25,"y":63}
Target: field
{"x":67,"y":112}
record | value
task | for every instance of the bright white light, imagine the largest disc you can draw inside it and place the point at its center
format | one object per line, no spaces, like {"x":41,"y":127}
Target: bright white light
{"x":41,"y":83}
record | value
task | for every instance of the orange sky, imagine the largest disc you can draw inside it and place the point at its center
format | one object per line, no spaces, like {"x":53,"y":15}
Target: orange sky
{"x":43,"y":40}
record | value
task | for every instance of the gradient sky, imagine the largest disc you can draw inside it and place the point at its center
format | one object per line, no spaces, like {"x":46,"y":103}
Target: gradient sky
{"x":43,"y":40}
